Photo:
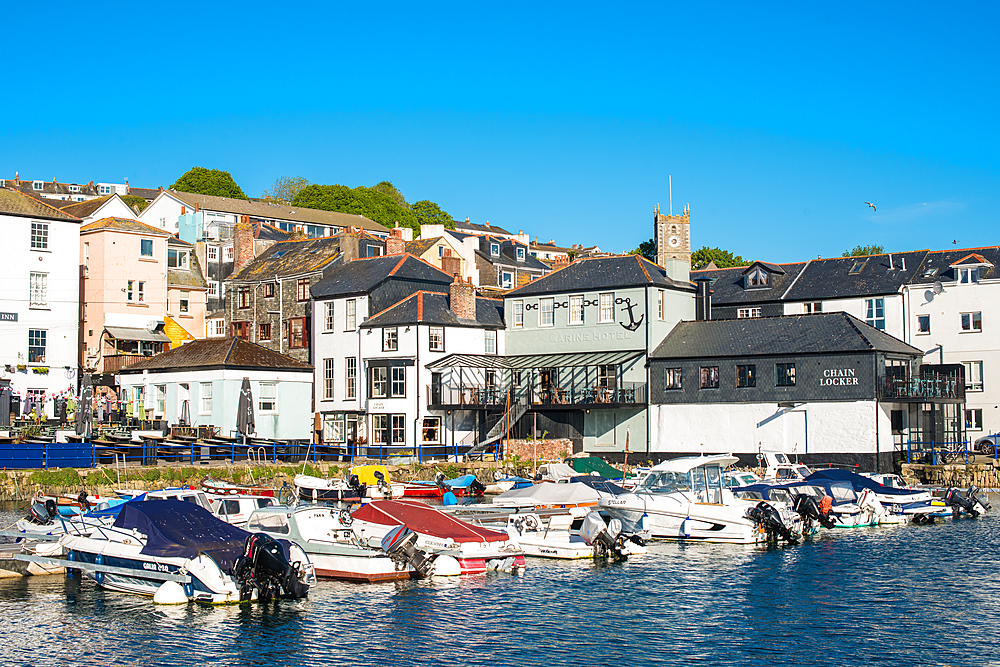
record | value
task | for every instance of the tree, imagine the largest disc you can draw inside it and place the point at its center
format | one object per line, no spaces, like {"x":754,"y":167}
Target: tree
{"x":134,"y":202}
{"x":369,"y":202}
{"x":209,"y":182}
{"x":387,"y":188}
{"x":285,"y":188}
{"x":429,"y":213}
{"x":647,"y":249}
{"x":722,"y":258}
{"x":861,"y":250}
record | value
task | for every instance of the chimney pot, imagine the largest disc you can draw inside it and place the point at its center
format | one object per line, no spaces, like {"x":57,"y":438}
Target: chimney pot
{"x":466,"y":218}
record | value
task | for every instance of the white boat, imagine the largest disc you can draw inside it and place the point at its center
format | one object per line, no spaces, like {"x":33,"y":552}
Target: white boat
{"x":236,"y":509}
{"x":685,"y":498}
{"x":779,"y":468}
{"x":560,"y":495}
{"x":553,"y":537}
{"x":370,"y":482}
{"x":154,"y":543}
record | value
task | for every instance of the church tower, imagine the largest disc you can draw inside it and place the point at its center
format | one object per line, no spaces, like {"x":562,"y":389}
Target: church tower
{"x":673,"y":242}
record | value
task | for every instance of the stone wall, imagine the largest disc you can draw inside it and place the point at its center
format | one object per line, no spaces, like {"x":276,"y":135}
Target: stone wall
{"x":540,"y":450}
{"x":983,"y":475}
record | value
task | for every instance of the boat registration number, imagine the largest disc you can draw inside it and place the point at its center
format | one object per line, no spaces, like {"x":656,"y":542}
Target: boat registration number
{"x":156,"y":567}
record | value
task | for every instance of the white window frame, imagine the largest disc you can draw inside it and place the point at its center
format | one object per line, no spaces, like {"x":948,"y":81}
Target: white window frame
{"x":351,"y":315}
{"x":390,"y":339}
{"x":38,"y":287}
{"x":227,"y":253}
{"x":520,"y":254}
{"x":328,"y":313}
{"x":434,"y":424}
{"x":518,"y":314}
{"x":328,"y":379}
{"x":333,"y":427}
{"x":161,"y":399}
{"x":435,"y":339}
{"x":184,"y":302}
{"x":397,"y":382}
{"x":495,"y":249}
{"x":576,"y":309}
{"x":213,"y":251}
{"x":213,"y":288}
{"x":491,"y":342}
{"x":968,"y":276}
{"x":747,"y":313}
{"x":921,"y":331}
{"x":39,"y":235}
{"x":872,"y":317}
{"x":659,"y":304}
{"x":546,"y":312}
{"x":606,"y":312}
{"x":976,"y":423}
{"x":969,"y":320}
{"x":379,"y":381}
{"x":268,"y":400}
{"x":142,"y":251}
{"x":812,"y":307}
{"x":973,"y":375}
{"x":506,"y":279}
{"x":350,"y":377}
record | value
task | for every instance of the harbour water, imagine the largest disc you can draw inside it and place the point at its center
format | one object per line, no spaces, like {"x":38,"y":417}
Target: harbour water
{"x":906,"y":595}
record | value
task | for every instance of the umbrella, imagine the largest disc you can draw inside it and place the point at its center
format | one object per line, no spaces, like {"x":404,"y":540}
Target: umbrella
{"x":244,"y":411}
{"x":186,"y":412}
{"x":85,"y":410}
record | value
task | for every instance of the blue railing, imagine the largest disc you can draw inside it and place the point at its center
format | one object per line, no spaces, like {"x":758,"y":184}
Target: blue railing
{"x":936,"y":453}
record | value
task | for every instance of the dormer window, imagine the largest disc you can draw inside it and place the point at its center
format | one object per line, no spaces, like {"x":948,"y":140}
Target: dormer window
{"x":37,"y":185}
{"x":968,"y":276}
{"x":520,"y":254}
{"x":74,"y":188}
{"x":495,"y":249}
{"x":177,"y":259}
{"x":758,"y":278}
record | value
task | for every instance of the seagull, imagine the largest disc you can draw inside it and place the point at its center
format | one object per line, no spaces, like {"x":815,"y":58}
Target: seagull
{"x":955,"y":242}
{"x":872,"y":205}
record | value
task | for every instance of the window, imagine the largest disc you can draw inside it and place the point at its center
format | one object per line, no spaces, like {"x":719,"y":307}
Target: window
{"x":177,"y":259}
{"x":206,"y":397}
{"x":213,"y":251}
{"x":38,"y":289}
{"x":264,"y":331}
{"x":350,"y":377}
{"x":268,"y":290}
{"x":268,"y":396}
{"x":380,"y":429}
{"x":431,"y":431}
{"x":39,"y":235}
{"x":812,"y":307}
{"x":350,"y":318}
{"x":328,"y":379}
{"x":243,"y":296}
{"x":495,"y":249}
{"x":747,"y":313}
{"x":185,"y":300}
{"x":333,"y":428}
{"x":518,"y":314}
{"x":606,"y":311}
{"x":161,"y":399}
{"x":213,"y":288}
{"x":491,"y":342}
{"x":220,"y":327}
{"x":302,"y":290}
{"x":607,"y":376}
{"x":709,"y":377}
{"x":875,"y":313}
{"x":328,"y":316}
{"x":140,"y":292}
{"x":397,"y":388}
{"x":923,"y":324}
{"x":130,"y":291}
{"x":746,"y":376}
{"x":398,"y":429}
{"x":784,"y":375}
{"x":146,"y":247}
{"x":757,"y":278}
{"x":298,"y":332}
{"x":390,"y":339}
{"x":659,"y":304}
{"x":37,"y":185}
{"x":968,"y":276}
{"x":974,"y":420}
{"x":507,"y":279}
{"x":973,"y":375}
{"x":227,"y":253}
{"x":241,"y":330}
{"x":520,"y":254}
{"x":972,"y":321}
{"x":672,"y":378}
{"x":576,"y":309}
{"x":104,"y":189}
{"x":436,"y":339}
{"x":379,"y":381}
{"x":36,"y":345}
{"x":857,"y":266}
{"x":546,"y":312}
{"x":440,"y":251}
{"x":86,"y":258}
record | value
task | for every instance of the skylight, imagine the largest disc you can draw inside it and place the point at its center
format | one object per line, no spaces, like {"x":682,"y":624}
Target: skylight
{"x":278,"y":254}
{"x":857,"y":266}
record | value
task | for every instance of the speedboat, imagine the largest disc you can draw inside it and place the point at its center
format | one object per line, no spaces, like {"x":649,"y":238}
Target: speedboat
{"x":164,"y":543}
{"x":476,"y":549}
{"x":553,"y":536}
{"x":685,"y":498}
{"x":584,"y":491}
{"x":887,"y":495}
{"x":502,"y":483}
{"x":236,"y":509}
{"x":363,"y":483}
{"x":779,"y":468}
{"x":217,"y":487}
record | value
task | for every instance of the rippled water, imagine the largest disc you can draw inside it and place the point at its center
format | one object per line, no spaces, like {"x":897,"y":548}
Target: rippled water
{"x":908,"y":595}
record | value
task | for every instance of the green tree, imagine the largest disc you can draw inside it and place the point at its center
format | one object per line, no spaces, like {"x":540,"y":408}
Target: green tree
{"x":722,"y":258}
{"x":861,"y":250}
{"x":647,"y":249}
{"x":134,"y":202}
{"x":209,"y":182}
{"x":369,"y":202}
{"x":387,"y":188}
{"x":429,"y":213}
{"x":285,"y":188}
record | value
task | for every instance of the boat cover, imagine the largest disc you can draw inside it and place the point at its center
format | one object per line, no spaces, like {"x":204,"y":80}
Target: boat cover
{"x":547,"y":493}
{"x":860,"y":482}
{"x":178,"y":529}
{"x":462,"y":482}
{"x":422,"y":518}
{"x":599,"y":483}
{"x":556,"y":471}
{"x":366,"y":474}
{"x":589,"y":464}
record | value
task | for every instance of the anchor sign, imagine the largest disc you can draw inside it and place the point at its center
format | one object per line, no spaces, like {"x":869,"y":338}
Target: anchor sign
{"x":633,"y":323}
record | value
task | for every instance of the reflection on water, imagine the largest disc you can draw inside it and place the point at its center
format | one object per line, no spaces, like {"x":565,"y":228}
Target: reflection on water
{"x":881,"y":596}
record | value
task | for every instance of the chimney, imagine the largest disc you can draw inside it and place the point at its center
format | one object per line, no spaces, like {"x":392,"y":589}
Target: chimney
{"x":395,"y":244}
{"x":463,"y":299}
{"x":243,"y":242}
{"x":560,"y":261}
{"x":184,"y":210}
{"x":703,"y":300}
{"x":350,"y":243}
{"x":466,"y":219}
{"x":451,"y":264}
{"x":195,"y":208}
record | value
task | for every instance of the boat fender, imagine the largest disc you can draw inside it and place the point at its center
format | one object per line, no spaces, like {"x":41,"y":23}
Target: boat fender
{"x":446,"y":566}
{"x":170,"y":592}
{"x":644,"y":522}
{"x":71,"y":572}
{"x":686,"y":527}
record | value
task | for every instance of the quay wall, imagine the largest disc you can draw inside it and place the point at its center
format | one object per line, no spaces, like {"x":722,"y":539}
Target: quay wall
{"x":983,"y":475}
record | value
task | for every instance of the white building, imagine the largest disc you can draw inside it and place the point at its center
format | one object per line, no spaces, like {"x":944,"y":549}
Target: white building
{"x":39,"y":297}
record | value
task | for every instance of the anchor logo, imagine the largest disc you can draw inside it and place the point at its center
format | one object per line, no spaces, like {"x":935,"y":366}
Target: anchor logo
{"x":633,"y":324}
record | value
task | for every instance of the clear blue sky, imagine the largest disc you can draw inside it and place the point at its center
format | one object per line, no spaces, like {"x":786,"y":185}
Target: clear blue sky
{"x":776,"y":121}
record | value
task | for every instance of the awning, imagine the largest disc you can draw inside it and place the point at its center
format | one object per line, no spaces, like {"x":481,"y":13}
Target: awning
{"x":565,"y":360}
{"x":129,"y":333}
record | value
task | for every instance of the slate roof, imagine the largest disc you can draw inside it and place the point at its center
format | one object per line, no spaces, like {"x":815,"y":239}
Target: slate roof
{"x":149,"y":194}
{"x":841,"y":277}
{"x":277,"y":211}
{"x":941,"y":261}
{"x":290,"y":258}
{"x":211,"y":353}
{"x":82,"y":209}
{"x":270,"y":233}
{"x":471,"y":227}
{"x":771,"y":336}
{"x":17,"y":203}
{"x":508,"y":255}
{"x":192,"y":276}
{"x":601,"y":273}
{"x":435,"y":308}
{"x":550,"y":246}
{"x":420,"y":246}
{"x":360,"y":276}
{"x":122,"y":225}
{"x":727,"y":284}
{"x":27,"y":187}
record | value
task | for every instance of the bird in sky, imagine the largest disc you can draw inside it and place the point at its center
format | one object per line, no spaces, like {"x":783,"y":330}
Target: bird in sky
{"x":872,"y":205}
{"x":955,"y":242}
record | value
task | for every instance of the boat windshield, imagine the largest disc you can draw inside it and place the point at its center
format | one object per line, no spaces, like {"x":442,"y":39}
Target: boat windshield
{"x":748,"y":495}
{"x":666,"y":482}
{"x":706,"y":481}
{"x":843,"y":492}
{"x":778,"y":495}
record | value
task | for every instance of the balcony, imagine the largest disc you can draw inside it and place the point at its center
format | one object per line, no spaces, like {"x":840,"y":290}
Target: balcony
{"x":472,"y":396}
{"x":115,"y":362}
{"x":928,"y":388}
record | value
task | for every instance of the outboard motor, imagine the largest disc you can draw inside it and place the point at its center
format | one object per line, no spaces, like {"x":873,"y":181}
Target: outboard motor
{"x":263,"y":567}
{"x":84,"y":501}
{"x":768,"y":521}
{"x":807,"y":508}
{"x":355,"y":484}
{"x":383,"y":485}
{"x":606,"y":538}
{"x":477,"y":488}
{"x":439,"y":480}
{"x":973,"y":494}
{"x":42,"y":513}
{"x":969,"y":502}
{"x":400,"y":544}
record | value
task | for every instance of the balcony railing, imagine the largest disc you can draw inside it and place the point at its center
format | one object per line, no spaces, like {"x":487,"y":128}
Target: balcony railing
{"x":629,"y":393}
{"x":930,"y":387}
{"x":115,"y":362}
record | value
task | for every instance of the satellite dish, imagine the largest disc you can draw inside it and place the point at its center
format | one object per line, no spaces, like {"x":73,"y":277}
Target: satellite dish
{"x":938,"y":288}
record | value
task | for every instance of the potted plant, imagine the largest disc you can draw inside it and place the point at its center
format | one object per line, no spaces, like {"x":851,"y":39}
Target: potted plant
{"x":40,"y":370}
{"x":22,"y":368}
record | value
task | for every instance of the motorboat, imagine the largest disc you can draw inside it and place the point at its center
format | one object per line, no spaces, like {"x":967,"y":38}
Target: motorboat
{"x":335,"y":550}
{"x":217,"y":487}
{"x":377,"y":482}
{"x":167,"y":542}
{"x":685,"y":498}
{"x":553,"y":536}
{"x":363,"y":483}
{"x":586,"y":492}
{"x":503,"y":483}
{"x":236,"y":509}
{"x":887,"y":495}
{"x":837,"y":507}
{"x":553,"y":472}
{"x":738,"y":478}
{"x":779,"y":468}
{"x":476,"y":549}
{"x":45,"y":521}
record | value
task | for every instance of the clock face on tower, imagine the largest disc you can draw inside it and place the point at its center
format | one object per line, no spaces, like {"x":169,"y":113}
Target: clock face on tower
{"x":674,"y":241}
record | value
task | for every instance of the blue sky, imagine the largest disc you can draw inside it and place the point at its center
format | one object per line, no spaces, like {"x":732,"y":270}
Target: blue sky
{"x":776,"y":121}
